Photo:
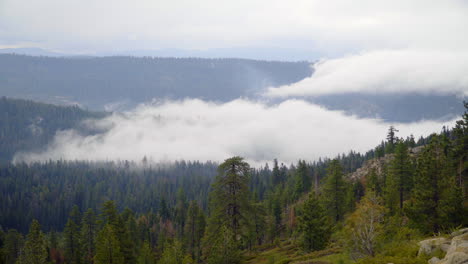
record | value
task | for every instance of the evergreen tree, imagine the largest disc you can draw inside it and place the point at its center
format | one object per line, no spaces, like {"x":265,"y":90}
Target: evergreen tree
{"x":303,"y":179}
{"x":180,"y":213}
{"x":429,"y":207}
{"x":88,"y":236}
{"x":334,"y":191}
{"x":71,"y":235}
{"x":373,"y":182}
{"x":12,"y":246}
{"x":276,"y":174}
{"x":460,"y":133}
{"x":399,"y":179}
{"x":257,"y":227}
{"x":111,"y":217}
{"x":34,"y":250}
{"x":109,"y":214}
{"x":223,"y":248}
{"x":230,"y":209}
{"x":164,"y":210}
{"x":172,"y":254}
{"x":313,"y":225}
{"x":230,"y":204}
{"x":126,"y":245}
{"x":108,"y":247}
{"x":194,"y":230}
{"x":391,"y":140}
{"x":146,"y":255}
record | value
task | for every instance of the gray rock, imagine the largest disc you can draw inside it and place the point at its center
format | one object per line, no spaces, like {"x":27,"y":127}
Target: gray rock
{"x":428,"y":246}
{"x":460,"y":232}
{"x":455,"y":258}
{"x":434,"y":260}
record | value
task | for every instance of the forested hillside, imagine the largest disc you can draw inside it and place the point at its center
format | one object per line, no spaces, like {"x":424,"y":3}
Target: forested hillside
{"x":120,"y":83}
{"x":27,"y":125}
{"x":96,"y":82}
{"x":191,"y":212}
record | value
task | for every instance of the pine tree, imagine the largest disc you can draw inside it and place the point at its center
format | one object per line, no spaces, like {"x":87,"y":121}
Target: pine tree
{"x":88,"y":236}
{"x":334,"y":191}
{"x":72,"y":238}
{"x":276,"y":174}
{"x":72,"y":242}
{"x":13,"y":244}
{"x":194,"y":230}
{"x":313,"y":225}
{"x":108,"y":247}
{"x":230,"y":204}
{"x":429,"y":207}
{"x":230,"y":209}
{"x":391,"y":140}
{"x":172,"y":254}
{"x":460,"y":133}
{"x":303,"y":179}
{"x":399,"y":179}
{"x":373,"y":182}
{"x":34,"y":250}
{"x":146,"y":255}
{"x":257,"y":227}
{"x":223,"y":248}
{"x":180,"y":213}
{"x":110,"y":216}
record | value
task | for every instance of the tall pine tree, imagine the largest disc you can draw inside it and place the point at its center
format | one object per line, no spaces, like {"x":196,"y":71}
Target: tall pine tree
{"x":313,"y":225}
{"x":34,"y":250}
{"x":334,"y":191}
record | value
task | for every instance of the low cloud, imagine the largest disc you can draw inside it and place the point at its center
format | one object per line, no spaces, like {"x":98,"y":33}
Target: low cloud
{"x":385,"y":71}
{"x":199,"y":130}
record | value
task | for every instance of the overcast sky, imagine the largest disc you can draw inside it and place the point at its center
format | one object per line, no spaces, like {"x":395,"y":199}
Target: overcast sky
{"x":322,"y":27}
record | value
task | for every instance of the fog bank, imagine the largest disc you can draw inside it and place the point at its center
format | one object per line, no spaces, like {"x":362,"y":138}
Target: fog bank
{"x":200,"y":130}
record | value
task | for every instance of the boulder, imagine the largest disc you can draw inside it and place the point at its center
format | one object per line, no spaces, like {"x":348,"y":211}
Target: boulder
{"x":460,"y":232}
{"x":457,"y":252}
{"x":455,"y":258}
{"x":428,"y":246}
{"x":459,"y":244}
{"x":434,"y":260}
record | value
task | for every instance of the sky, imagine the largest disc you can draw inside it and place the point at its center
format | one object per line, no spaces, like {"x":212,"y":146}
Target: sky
{"x":363,"y":46}
{"x":325,"y":28}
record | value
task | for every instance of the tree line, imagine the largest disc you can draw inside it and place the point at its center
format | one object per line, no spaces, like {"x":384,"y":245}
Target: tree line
{"x":237,"y":209}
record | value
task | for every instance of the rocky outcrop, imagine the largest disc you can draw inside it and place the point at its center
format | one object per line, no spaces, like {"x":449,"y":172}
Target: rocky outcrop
{"x":456,"y":248}
{"x":378,"y":164}
{"x":430,"y":246}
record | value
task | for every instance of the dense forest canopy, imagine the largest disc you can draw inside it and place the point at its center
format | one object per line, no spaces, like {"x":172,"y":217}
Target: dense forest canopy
{"x":193,"y":212}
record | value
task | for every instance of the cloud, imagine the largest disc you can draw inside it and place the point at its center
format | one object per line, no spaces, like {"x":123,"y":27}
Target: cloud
{"x":315,"y":24}
{"x":385,"y":71}
{"x":199,"y":130}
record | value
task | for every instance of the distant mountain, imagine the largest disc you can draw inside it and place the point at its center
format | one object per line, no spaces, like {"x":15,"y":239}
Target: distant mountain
{"x":32,"y":52}
{"x":27,"y":125}
{"x":395,"y":107}
{"x":107,"y":82}
{"x":258,"y":53}
{"x":264,"y":53}
{"x":121,"y":82}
